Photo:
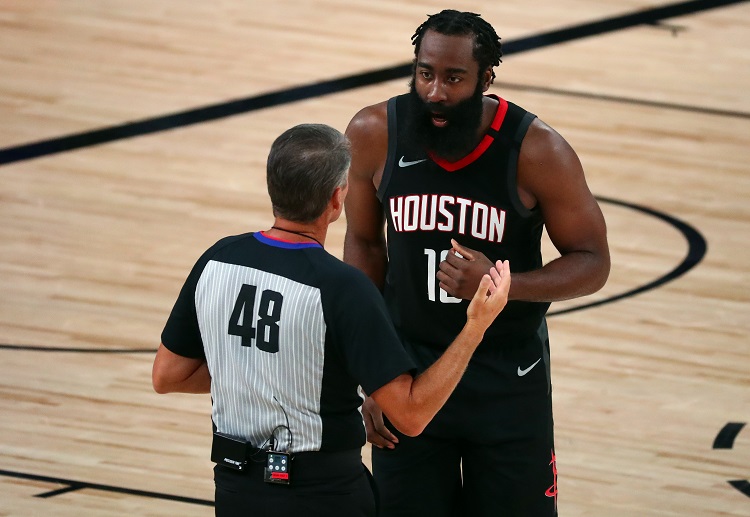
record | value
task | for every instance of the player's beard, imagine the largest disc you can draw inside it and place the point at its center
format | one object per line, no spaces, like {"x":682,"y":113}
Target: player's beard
{"x":458,"y":137}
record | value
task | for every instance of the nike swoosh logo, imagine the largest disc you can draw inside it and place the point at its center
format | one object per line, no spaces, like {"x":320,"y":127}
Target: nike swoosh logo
{"x":521,"y":373}
{"x":402,"y":163}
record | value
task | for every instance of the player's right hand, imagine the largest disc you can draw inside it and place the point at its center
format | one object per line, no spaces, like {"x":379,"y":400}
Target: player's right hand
{"x":462,"y":270}
{"x":377,"y":433}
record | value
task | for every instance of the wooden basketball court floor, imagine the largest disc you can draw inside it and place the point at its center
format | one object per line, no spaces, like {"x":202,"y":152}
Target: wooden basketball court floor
{"x":133,"y":135}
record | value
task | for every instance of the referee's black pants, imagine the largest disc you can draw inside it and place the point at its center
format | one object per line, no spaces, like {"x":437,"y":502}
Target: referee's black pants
{"x":322,"y":484}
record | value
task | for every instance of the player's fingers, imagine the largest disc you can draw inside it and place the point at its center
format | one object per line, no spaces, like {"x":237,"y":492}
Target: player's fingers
{"x":454,"y":260}
{"x":385,"y":432}
{"x":448,"y":280}
{"x":382,"y":431}
{"x":450,"y":264}
{"x":467,"y":253}
{"x":387,"y":441}
{"x":372,"y":434}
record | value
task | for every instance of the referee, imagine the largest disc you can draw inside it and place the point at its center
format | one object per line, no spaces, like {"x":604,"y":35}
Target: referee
{"x":282,"y":334}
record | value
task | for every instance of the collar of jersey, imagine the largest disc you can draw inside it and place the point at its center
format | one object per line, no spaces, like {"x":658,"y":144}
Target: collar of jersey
{"x":470,"y":158}
{"x":281,"y":243}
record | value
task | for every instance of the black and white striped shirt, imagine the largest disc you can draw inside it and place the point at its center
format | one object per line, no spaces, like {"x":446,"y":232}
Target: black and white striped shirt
{"x":288,"y":332}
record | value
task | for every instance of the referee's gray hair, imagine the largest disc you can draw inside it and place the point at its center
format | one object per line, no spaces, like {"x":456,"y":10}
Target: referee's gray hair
{"x":305,"y":165}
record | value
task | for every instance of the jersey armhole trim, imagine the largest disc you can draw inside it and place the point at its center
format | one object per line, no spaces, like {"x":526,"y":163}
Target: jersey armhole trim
{"x":392,"y":144}
{"x":513,"y":155}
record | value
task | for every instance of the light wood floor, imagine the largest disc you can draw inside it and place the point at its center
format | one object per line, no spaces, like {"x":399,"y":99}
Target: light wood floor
{"x":95,"y":242}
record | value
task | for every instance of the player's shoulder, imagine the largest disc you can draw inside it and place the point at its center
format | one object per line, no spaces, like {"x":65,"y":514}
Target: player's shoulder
{"x":368,"y":119}
{"x":544,"y":145}
{"x":546,"y":161}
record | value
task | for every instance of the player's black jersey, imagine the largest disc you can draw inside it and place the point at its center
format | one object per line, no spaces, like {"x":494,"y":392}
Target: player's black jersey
{"x":288,"y":332}
{"x":427,"y":201}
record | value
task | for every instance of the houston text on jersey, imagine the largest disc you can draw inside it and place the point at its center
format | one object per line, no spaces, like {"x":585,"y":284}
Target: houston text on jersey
{"x":445,"y":213}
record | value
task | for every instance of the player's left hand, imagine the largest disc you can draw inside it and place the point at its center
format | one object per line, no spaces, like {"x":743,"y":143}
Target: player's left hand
{"x":462,"y":270}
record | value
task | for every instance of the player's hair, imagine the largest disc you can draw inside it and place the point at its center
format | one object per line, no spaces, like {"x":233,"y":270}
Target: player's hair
{"x":487,"y":48}
{"x":305,"y":165}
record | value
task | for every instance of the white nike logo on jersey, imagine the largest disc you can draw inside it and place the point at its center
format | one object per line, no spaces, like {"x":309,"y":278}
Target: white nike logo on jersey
{"x":521,"y":373}
{"x":402,"y":163}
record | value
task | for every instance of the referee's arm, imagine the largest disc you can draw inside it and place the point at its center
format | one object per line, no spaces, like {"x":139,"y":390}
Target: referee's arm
{"x":411,"y":403}
{"x":175,"y":373}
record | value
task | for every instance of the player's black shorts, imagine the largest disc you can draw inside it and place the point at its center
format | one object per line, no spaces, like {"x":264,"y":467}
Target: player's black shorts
{"x":489,"y":451}
{"x":322,"y":485}
{"x":438,"y":477}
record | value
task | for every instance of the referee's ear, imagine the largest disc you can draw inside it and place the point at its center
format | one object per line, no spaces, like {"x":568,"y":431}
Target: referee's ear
{"x":337,"y":202}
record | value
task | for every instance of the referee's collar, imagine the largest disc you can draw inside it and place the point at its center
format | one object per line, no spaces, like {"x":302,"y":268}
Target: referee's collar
{"x":281,"y":243}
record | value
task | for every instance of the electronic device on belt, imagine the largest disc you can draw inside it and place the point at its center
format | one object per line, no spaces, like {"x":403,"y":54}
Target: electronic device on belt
{"x":278,"y":467}
{"x":235,"y":453}
{"x":279,"y":463}
{"x":229,"y":451}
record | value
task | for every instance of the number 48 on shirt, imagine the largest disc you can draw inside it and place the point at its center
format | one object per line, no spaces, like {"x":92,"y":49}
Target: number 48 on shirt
{"x":266,"y":333}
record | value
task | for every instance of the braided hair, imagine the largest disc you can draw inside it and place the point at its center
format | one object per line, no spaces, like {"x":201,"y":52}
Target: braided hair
{"x":487,"y":47}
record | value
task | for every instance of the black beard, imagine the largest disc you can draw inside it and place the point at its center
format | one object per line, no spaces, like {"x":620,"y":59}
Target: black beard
{"x":458,"y":137}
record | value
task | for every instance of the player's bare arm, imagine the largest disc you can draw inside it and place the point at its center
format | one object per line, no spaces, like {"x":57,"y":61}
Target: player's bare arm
{"x":173,"y":373}
{"x":550,"y":175}
{"x":364,"y":244}
{"x":411,"y":403}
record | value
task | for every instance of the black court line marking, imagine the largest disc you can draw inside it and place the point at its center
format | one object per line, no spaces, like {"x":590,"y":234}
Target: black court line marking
{"x":72,"y":485}
{"x":35,"y":348}
{"x":727,"y":435}
{"x":52,"y":493}
{"x":725,"y":440}
{"x":696,"y":251}
{"x":624,"y":100}
{"x":235,"y":107}
{"x":743,"y":485}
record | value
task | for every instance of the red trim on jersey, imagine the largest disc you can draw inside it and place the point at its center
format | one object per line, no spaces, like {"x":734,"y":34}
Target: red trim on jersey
{"x":264,"y":234}
{"x":470,"y":158}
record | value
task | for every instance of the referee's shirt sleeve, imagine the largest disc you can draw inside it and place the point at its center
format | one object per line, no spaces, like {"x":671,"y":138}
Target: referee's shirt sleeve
{"x":371,"y":347}
{"x":181,"y":333}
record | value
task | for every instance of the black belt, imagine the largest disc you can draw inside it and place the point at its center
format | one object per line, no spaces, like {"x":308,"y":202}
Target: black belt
{"x":307,"y":464}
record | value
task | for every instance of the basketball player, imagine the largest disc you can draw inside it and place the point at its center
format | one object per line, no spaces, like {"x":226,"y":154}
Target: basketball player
{"x":281,"y":334}
{"x":463,"y":179}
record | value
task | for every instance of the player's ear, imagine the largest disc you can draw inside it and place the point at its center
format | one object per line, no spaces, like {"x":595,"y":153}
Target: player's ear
{"x":487,"y":79}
